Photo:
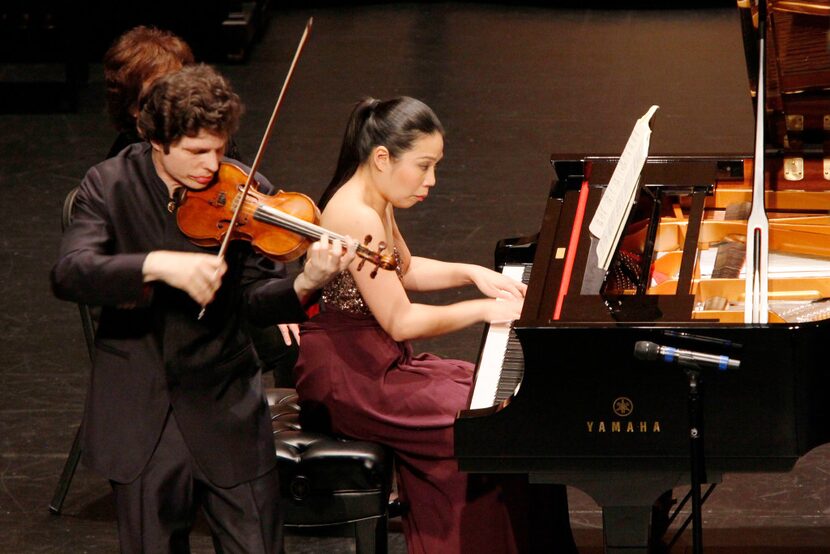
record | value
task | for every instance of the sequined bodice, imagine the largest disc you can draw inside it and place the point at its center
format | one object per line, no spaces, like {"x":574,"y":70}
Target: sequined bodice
{"x":341,"y":293}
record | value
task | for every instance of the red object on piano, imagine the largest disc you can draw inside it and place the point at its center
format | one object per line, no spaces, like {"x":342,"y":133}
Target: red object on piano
{"x":571,"y":255}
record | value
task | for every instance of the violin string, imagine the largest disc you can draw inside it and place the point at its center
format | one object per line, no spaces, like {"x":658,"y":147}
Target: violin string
{"x":288,"y":225}
{"x":276,"y":217}
{"x":299,"y":226}
{"x":272,"y":215}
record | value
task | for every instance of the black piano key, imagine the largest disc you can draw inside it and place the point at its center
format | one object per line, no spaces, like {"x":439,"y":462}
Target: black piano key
{"x":512,"y":367}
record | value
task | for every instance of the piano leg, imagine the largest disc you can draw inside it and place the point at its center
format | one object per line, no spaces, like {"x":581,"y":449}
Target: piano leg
{"x":626,"y":498}
{"x":626,"y":529}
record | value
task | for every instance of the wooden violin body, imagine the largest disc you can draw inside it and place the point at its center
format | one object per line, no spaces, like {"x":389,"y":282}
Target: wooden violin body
{"x":281,"y":226}
{"x":205,"y":215}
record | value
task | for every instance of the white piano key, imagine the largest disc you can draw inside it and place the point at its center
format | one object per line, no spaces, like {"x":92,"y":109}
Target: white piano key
{"x":492,"y":355}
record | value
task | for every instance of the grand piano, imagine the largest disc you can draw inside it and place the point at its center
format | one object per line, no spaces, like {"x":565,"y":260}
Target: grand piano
{"x":561,"y":395}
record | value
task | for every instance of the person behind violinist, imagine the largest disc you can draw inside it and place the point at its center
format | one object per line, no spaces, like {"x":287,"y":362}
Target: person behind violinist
{"x":357,"y":368}
{"x":136,"y":59}
{"x":175,"y":415}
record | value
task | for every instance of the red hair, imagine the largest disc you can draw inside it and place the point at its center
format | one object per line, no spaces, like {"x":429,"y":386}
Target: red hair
{"x":135,"y":59}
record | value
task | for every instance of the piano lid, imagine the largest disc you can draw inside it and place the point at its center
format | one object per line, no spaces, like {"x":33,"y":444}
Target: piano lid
{"x":798,"y":71}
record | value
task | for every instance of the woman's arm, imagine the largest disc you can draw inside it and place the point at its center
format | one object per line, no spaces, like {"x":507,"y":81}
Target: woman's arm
{"x":387,"y":299}
{"x":427,"y":274}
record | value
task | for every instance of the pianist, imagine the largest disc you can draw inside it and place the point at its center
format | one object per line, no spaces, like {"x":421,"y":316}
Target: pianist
{"x":355,"y":358}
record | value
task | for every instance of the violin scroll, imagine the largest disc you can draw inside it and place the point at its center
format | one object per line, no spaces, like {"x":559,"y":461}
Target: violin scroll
{"x":380,"y":261}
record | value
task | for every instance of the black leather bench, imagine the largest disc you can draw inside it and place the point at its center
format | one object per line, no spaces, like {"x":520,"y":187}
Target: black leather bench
{"x":326,"y":480}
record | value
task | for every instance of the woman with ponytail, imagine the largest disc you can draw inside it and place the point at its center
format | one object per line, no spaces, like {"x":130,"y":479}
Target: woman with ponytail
{"x":356,"y":360}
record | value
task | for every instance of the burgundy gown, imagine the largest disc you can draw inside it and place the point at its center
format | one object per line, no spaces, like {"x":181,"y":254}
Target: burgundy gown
{"x":374,"y":388}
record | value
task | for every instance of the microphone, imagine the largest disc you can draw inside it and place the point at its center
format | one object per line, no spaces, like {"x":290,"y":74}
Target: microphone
{"x":645,"y":350}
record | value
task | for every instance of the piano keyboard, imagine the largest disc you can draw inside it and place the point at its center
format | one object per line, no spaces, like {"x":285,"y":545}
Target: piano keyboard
{"x":501,"y":365}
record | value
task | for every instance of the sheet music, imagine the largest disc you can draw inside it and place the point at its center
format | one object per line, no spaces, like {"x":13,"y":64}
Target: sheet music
{"x":615,"y":206}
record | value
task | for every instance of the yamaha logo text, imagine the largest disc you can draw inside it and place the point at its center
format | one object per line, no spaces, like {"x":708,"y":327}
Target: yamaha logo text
{"x":623,"y":421}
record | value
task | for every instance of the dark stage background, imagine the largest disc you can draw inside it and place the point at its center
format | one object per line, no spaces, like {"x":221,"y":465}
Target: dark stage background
{"x":511,"y":84}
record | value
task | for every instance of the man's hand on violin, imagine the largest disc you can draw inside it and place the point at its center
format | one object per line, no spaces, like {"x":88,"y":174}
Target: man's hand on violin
{"x":324,"y":259}
{"x":199,"y":275}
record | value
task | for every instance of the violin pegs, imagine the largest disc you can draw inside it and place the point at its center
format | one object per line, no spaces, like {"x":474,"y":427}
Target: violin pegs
{"x":374,"y":272}
{"x":367,"y":239}
{"x":360,"y":264}
{"x":381,"y":246}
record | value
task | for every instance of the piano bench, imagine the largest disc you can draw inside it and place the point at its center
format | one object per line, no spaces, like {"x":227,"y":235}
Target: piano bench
{"x":325,"y":480}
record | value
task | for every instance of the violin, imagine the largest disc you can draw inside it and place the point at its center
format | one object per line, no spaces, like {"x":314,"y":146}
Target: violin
{"x":281,"y":226}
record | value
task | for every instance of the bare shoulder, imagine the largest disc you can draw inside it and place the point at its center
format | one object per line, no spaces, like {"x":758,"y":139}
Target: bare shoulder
{"x":345,"y":214}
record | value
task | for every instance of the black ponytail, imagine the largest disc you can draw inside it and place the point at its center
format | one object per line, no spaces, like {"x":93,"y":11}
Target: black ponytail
{"x":394,"y":123}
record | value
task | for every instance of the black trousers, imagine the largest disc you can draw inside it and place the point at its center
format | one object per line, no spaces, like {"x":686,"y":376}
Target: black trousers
{"x":156,"y":511}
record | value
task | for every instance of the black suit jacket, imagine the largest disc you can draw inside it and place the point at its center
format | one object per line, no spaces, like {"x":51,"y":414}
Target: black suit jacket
{"x":151,"y":352}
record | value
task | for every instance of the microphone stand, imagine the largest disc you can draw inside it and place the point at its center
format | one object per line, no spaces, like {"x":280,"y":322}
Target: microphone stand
{"x":698,"y":462}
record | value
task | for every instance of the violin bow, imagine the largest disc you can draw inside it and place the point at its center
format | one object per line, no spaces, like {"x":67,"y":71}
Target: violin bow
{"x":258,"y":159}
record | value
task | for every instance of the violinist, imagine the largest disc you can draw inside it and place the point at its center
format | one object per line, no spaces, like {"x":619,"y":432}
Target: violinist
{"x":175,"y":416}
{"x":356,"y":360}
{"x":132,"y":63}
